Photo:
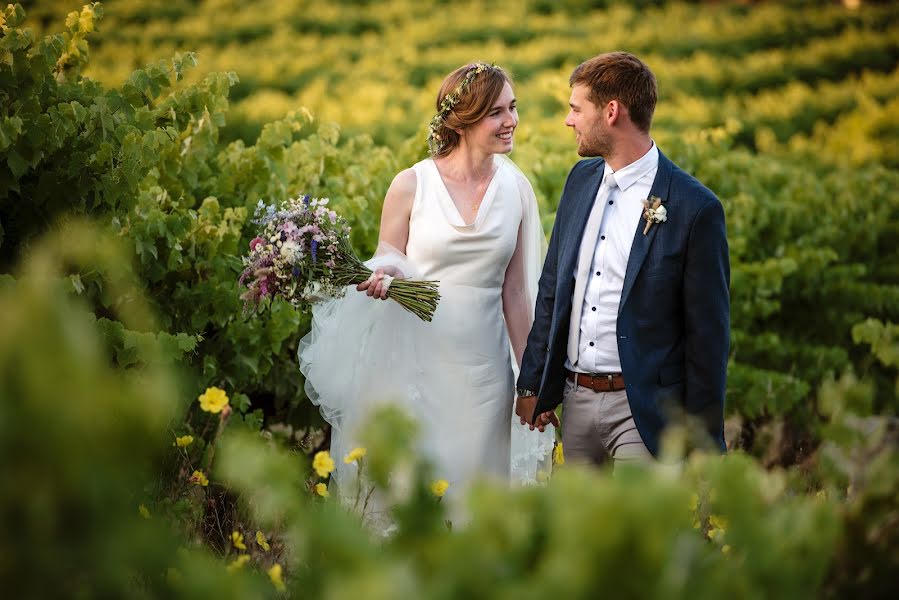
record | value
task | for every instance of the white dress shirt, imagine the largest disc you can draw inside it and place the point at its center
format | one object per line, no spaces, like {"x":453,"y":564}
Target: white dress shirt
{"x":618,"y":208}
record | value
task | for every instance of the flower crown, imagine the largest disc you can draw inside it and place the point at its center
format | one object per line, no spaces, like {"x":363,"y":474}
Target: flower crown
{"x":435,"y":142}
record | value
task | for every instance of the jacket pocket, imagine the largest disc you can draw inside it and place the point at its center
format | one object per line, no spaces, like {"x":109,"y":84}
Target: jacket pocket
{"x":670,"y":374}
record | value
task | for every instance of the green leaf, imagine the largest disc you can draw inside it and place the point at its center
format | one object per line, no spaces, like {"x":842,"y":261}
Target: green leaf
{"x":241,"y":402}
{"x":16,"y":163}
{"x":186,"y":343}
{"x":254,"y":420}
{"x":10,"y":130}
{"x":78,"y":111}
{"x":77,"y":284}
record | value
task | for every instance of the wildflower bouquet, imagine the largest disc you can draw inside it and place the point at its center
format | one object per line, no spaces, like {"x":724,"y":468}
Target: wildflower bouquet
{"x":303,"y":255}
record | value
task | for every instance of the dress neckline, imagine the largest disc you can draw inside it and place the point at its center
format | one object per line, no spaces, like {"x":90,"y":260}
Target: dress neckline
{"x":451,"y":211}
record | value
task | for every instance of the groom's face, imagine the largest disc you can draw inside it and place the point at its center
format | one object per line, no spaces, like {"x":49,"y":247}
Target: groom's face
{"x":590,"y":129}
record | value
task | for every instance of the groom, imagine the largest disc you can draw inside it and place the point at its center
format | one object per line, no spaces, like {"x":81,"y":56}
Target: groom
{"x":631,"y":329}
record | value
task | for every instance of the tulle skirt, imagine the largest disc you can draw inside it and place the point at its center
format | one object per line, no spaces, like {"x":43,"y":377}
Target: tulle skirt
{"x":453,"y":376}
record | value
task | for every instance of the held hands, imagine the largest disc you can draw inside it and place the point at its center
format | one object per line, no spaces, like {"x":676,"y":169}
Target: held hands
{"x":524,"y":408}
{"x":378,"y":284}
{"x":544,"y":419}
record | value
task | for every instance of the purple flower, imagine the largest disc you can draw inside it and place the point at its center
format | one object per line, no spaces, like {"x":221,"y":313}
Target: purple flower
{"x":314,"y":247}
{"x":306,"y":200}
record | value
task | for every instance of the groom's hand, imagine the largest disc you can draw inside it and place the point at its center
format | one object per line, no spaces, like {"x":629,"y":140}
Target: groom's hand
{"x":524,"y":408}
{"x":544,"y":419}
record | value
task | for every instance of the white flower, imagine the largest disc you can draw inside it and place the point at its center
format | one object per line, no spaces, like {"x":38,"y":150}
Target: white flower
{"x":311,"y":291}
{"x":289,"y":249}
{"x":660,"y":215}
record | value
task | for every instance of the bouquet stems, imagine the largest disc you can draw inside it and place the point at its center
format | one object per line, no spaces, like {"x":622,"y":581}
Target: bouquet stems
{"x":418,"y":297}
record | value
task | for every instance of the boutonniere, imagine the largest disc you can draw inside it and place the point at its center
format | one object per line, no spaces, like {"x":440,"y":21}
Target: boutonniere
{"x":653,"y":212}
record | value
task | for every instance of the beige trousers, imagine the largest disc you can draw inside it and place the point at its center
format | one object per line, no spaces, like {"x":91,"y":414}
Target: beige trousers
{"x":597,"y":426}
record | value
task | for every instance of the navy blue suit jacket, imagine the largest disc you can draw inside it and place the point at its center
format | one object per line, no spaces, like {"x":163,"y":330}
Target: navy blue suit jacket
{"x":674,"y":316}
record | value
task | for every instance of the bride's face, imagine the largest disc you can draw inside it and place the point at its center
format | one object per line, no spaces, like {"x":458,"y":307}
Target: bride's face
{"x":493,"y":134}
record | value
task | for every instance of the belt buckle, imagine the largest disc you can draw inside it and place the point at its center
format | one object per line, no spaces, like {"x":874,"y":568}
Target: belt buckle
{"x":611,"y":379}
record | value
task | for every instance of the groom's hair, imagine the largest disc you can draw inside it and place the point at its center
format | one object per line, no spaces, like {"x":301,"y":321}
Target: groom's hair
{"x":619,"y":76}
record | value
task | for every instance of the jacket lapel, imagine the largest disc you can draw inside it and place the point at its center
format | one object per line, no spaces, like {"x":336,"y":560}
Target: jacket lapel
{"x":585,"y":196}
{"x":640,"y":248}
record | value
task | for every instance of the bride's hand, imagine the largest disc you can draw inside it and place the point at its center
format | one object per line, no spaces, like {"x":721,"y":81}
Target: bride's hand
{"x":544,"y":419}
{"x":377,"y":286}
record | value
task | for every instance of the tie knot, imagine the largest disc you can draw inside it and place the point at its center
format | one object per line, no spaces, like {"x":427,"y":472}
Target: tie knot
{"x":610,"y":181}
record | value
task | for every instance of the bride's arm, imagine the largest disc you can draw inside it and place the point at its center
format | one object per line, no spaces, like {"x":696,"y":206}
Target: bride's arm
{"x":397,"y":210}
{"x":394,"y":227}
{"x":516,"y":306}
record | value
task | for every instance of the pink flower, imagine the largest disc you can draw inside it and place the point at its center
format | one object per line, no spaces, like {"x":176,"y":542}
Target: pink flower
{"x":255,"y":242}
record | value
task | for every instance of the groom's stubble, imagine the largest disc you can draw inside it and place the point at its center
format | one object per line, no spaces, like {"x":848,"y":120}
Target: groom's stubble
{"x":595,"y":142}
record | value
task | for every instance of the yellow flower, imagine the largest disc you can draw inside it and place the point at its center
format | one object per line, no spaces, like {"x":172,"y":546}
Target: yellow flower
{"x":199,"y":478}
{"x":275,"y":575}
{"x":558,"y":455}
{"x":144,"y":512}
{"x":322,"y":463}
{"x":439,"y":487}
{"x":184,"y":441}
{"x":322,"y":490}
{"x":694,"y":502}
{"x":718,"y":522}
{"x":213,"y":400}
{"x":725,"y":549}
{"x":354,"y":455}
{"x":238,"y":562}
{"x":237,"y":540}
{"x":262,"y":542}
{"x":717,"y":527}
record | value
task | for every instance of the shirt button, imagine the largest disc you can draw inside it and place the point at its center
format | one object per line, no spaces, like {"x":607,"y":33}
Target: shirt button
{"x":602,"y":237}
{"x":597,"y":273}
{"x":611,"y":202}
{"x":591,"y":343}
{"x":593,"y":309}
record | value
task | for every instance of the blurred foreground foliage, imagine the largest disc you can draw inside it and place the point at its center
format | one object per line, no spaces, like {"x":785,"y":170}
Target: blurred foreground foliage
{"x":122,"y":211}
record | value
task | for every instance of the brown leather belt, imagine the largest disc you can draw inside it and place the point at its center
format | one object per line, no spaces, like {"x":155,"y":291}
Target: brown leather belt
{"x":598,"y":382}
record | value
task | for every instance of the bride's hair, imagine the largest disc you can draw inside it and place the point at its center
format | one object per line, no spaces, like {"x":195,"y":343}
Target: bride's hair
{"x":465,"y":97}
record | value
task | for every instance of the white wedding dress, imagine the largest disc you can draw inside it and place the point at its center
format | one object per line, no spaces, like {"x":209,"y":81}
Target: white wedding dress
{"x":454,"y":375}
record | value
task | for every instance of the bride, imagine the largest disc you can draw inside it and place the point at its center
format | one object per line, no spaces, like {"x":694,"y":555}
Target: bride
{"x":466,"y":217}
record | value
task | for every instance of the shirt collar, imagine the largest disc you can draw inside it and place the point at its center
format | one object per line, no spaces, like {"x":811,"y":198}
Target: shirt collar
{"x":631,"y":174}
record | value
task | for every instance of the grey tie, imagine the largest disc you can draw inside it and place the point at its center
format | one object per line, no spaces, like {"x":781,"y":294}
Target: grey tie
{"x":607,"y":194}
